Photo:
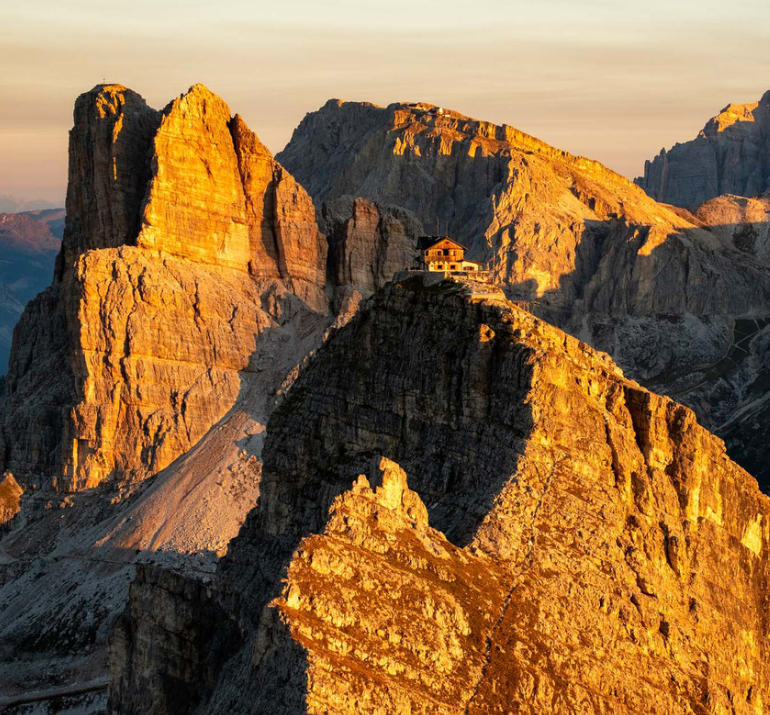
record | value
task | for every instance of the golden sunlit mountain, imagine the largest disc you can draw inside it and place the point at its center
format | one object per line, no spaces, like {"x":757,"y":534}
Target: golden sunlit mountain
{"x":373,"y":426}
{"x":667,"y":293}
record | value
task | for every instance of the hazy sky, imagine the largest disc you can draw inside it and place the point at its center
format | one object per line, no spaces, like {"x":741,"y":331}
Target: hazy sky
{"x":609,"y":79}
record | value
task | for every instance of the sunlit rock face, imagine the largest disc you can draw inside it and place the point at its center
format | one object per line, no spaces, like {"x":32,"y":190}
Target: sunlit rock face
{"x":218,"y":197}
{"x":667,"y":293}
{"x":10,"y":498}
{"x":463,"y":510}
{"x":730,"y":155}
{"x":185,"y":242}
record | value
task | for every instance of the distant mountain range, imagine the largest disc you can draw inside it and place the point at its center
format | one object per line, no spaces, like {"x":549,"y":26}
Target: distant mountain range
{"x":29,"y":242}
{"x":13,"y":204}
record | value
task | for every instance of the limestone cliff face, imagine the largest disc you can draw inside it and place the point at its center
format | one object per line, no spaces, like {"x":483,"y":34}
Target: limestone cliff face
{"x":728,"y":346}
{"x":730,"y":155}
{"x":734,"y":395}
{"x":39,"y":390}
{"x":185,"y":244}
{"x":195,"y":205}
{"x":165,"y":350}
{"x":533,"y":533}
{"x":109,"y":166}
{"x":218,"y":197}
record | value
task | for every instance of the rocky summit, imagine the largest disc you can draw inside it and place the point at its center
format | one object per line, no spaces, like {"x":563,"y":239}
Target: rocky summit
{"x":463,"y":510}
{"x":184,"y":242}
{"x":190,"y":282}
{"x":730,"y":155}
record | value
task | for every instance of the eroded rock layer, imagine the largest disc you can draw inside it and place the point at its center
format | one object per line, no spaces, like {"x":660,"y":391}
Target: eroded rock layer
{"x":534,"y":533}
{"x":730,"y":155}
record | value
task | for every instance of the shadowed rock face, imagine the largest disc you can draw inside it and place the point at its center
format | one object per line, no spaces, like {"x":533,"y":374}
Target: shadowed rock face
{"x":540,"y":533}
{"x":730,"y":155}
{"x":368,"y":244}
{"x":184,"y":242}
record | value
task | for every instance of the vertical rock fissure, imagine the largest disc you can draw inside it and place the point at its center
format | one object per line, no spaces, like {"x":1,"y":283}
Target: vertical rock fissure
{"x":527,"y":563}
{"x":276,"y":228}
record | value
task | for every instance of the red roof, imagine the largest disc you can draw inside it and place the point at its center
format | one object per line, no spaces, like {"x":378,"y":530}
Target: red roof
{"x":427,"y":242}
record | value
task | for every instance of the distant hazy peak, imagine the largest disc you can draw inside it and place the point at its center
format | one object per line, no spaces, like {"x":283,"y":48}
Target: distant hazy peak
{"x":734,"y":113}
{"x":730,"y":155}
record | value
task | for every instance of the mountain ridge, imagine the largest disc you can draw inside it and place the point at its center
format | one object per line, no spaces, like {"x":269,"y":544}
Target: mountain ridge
{"x":208,"y":349}
{"x":532,"y":559}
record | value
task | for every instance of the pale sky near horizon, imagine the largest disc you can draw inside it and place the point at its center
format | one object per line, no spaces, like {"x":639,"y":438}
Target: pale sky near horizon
{"x":609,"y":79}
